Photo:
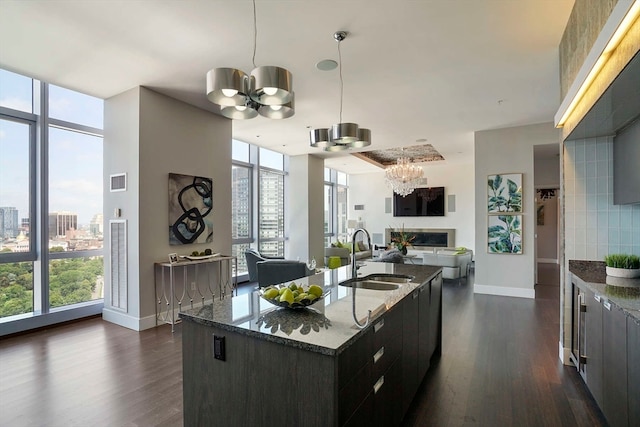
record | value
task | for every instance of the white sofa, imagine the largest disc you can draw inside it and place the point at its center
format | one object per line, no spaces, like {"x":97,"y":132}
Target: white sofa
{"x":345,"y":254}
{"x":455,"y":263}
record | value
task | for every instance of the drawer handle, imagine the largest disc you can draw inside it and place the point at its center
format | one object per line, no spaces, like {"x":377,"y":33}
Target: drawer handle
{"x":607,"y":305}
{"x":378,"y":385}
{"x":378,"y":326}
{"x":596,"y":297}
{"x":378,"y":355}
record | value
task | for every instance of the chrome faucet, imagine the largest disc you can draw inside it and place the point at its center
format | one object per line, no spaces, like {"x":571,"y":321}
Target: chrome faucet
{"x":354,"y":274}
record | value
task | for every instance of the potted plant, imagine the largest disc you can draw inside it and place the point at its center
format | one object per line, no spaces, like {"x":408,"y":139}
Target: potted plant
{"x":401,"y":240}
{"x":622,"y":265}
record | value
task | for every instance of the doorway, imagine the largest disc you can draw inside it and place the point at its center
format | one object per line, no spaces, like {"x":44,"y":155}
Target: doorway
{"x":547,"y":231}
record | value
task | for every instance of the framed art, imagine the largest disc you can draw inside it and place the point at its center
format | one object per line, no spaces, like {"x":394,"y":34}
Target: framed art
{"x":504,"y":234}
{"x":190,"y":209}
{"x":173,"y":258}
{"x":504,"y":193}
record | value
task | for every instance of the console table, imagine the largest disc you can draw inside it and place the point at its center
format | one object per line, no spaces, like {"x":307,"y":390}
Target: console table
{"x":178,"y":284}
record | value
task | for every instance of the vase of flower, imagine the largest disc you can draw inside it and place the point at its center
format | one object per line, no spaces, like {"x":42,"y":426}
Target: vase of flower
{"x":401,"y":240}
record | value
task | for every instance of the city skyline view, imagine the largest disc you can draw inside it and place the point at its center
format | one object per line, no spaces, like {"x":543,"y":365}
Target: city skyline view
{"x":75,"y":158}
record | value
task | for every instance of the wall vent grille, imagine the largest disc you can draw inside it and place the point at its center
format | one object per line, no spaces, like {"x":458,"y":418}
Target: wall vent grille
{"x":118,"y":263}
{"x":118,"y":182}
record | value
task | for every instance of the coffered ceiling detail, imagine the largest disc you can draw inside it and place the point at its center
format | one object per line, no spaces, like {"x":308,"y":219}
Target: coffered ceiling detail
{"x":417,"y":153}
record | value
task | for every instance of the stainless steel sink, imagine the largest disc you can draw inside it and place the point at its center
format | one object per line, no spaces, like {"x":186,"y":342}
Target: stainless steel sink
{"x":361,"y":283}
{"x":390,"y":278}
{"x":378,"y":282}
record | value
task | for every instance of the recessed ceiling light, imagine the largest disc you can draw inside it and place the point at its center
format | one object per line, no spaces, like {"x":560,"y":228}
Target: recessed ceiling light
{"x":326,"y":65}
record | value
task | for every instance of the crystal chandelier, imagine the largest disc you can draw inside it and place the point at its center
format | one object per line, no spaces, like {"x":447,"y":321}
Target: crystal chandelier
{"x":403,"y":177}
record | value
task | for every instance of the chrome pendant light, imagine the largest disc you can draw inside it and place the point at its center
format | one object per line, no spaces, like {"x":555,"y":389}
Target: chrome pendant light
{"x":271,"y":85}
{"x":268,"y":91}
{"x":341,"y":136}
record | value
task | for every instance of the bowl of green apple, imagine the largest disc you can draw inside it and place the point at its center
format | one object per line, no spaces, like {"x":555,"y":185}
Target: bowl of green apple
{"x":292,"y":295}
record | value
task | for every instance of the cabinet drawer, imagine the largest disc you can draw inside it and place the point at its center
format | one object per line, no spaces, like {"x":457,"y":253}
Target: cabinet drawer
{"x":387,"y":327}
{"x":387,"y":342}
{"x":355,"y":357}
{"x":387,"y":405}
{"x":354,"y":392}
{"x":363,"y":416}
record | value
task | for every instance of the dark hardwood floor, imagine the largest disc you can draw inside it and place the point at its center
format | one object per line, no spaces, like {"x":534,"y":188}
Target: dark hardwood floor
{"x":499,"y":367}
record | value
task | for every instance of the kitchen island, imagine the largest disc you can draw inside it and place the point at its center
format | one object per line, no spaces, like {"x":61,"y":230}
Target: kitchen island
{"x":247,"y":362}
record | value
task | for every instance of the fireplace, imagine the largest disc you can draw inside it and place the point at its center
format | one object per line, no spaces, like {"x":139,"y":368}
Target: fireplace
{"x":426,"y":238}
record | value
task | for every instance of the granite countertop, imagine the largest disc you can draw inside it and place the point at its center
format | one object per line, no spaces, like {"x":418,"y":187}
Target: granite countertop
{"x":326,"y":327}
{"x":622,"y":293}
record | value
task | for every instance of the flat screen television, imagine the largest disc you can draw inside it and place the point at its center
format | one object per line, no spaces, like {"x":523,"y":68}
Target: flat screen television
{"x":422,"y":202}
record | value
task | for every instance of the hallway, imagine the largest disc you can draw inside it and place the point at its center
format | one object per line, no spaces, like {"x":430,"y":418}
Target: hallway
{"x":548,"y":286}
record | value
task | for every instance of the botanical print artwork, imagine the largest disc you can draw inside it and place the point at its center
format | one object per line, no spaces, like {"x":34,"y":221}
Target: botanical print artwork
{"x":190,"y":206}
{"x":505,"y":234}
{"x":504,"y":193}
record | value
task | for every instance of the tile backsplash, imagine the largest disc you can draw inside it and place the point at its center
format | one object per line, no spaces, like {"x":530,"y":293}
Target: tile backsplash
{"x":594,"y":226}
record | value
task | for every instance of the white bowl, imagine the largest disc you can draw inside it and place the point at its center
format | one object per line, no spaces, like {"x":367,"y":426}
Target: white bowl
{"x":623,"y":272}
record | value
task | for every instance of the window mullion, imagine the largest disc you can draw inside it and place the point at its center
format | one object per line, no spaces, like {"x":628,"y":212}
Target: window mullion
{"x":40,"y":189}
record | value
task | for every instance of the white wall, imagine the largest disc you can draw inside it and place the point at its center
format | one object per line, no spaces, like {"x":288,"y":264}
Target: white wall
{"x":151,"y":135}
{"x":370,"y":190}
{"x":547,"y":173}
{"x":503,"y":151}
{"x":305,"y":209}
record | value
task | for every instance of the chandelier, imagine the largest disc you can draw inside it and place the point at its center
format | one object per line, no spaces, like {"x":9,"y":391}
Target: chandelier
{"x":340,"y":136}
{"x":268,"y":91}
{"x":403,"y":177}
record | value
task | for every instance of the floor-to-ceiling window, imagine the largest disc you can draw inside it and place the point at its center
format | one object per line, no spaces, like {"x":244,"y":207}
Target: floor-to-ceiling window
{"x":329,"y":197}
{"x":271,"y":234}
{"x":342,"y":191}
{"x":241,"y":203}
{"x":257,"y":199}
{"x":336,"y":191}
{"x":51,"y":221}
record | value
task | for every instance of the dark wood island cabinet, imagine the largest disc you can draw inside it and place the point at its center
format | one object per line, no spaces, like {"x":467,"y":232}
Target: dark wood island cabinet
{"x":313,"y":367}
{"x":606,"y":340}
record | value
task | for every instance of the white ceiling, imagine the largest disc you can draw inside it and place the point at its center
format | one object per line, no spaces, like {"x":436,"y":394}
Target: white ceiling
{"x":432,"y":69}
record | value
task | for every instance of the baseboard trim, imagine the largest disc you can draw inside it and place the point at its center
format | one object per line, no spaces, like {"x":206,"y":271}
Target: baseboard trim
{"x":547,"y":261}
{"x":504,"y":291}
{"x":564,"y":355}
{"x":127,"y":321}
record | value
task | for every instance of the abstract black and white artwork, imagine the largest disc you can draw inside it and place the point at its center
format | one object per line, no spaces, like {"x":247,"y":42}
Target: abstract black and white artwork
{"x":190,"y":209}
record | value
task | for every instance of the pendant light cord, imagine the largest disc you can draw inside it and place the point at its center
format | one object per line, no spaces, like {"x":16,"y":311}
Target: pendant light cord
{"x":341,"y":81}
{"x":255,"y":34}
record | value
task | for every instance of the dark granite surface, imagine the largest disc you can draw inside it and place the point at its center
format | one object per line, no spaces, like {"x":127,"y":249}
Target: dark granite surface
{"x":327,"y":326}
{"x":624,"y":294}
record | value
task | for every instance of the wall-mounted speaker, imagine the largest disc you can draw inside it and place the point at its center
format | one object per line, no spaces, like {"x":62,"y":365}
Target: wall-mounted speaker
{"x":451,"y":203}
{"x":387,"y":205}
